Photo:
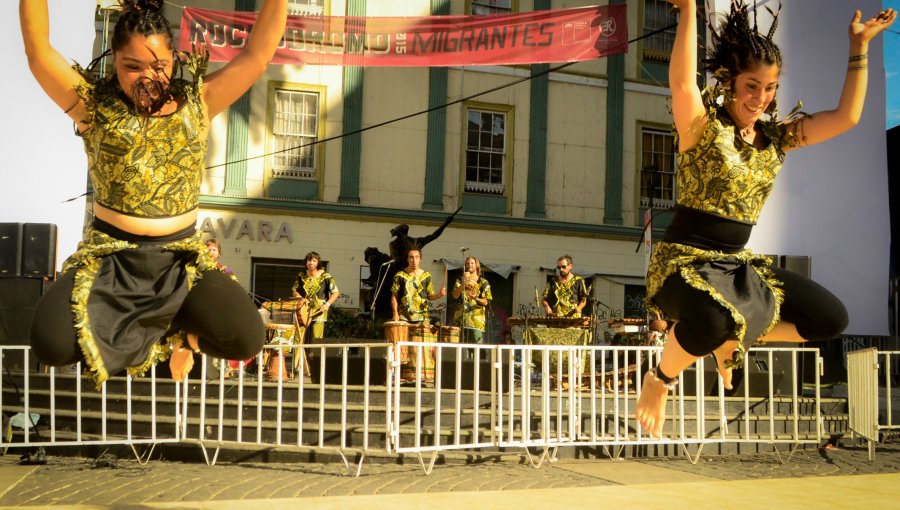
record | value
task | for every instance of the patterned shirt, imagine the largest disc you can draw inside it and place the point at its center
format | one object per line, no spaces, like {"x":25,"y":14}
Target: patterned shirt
{"x":149,"y":167}
{"x":317,"y":290}
{"x":412,"y":293}
{"x":471,"y":315}
{"x":564,"y":296}
{"x":726,"y":176}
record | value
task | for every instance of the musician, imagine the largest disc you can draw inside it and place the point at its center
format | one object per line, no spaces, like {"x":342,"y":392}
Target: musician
{"x":215,"y":251}
{"x":412,"y":289}
{"x":566,"y":294}
{"x":475,"y":292}
{"x":319,"y":290}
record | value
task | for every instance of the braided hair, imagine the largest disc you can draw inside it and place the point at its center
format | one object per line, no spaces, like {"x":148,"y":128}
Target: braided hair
{"x":140,"y":17}
{"x":144,"y":18}
{"x":738,"y":46}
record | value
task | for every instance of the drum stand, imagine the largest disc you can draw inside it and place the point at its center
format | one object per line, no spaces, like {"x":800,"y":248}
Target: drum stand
{"x":300,"y":352}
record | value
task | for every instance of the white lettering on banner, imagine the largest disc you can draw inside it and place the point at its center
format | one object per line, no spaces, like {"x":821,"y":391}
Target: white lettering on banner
{"x":220,"y":229}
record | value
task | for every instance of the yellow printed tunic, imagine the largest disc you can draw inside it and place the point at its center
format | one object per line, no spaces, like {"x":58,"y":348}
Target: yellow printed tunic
{"x":563,"y":297}
{"x":471,"y":315}
{"x":317,"y":290}
{"x":412,"y":293}
{"x":139,"y":165}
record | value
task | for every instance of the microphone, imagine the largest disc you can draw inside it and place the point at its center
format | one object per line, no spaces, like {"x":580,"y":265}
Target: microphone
{"x":388,"y":262}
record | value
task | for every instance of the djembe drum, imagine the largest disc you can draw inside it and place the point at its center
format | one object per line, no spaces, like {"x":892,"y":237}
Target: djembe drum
{"x":421,"y":333}
{"x":281,"y":336}
{"x":398,"y":331}
{"x":450,"y":334}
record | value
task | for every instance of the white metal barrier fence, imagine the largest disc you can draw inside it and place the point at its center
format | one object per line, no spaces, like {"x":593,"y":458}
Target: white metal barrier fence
{"x":869,"y":382}
{"x":290,"y":385}
{"x":548,"y":396}
{"x":64,"y":409}
{"x":422,"y":398}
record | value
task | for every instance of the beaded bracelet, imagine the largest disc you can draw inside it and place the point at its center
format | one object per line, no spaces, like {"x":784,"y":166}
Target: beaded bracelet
{"x":669,"y":382}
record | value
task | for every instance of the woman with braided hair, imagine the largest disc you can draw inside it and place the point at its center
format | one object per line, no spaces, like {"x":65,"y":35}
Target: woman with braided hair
{"x":142,"y":286}
{"x":720,"y":296}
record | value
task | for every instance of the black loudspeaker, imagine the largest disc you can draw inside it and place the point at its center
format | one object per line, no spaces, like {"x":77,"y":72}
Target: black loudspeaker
{"x":18,"y":297}
{"x":356,"y":362}
{"x":39,"y":249}
{"x":10,"y":249}
{"x":467,"y":373}
{"x":758,"y":369}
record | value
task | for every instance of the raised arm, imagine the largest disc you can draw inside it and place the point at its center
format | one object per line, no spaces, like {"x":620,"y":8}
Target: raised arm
{"x":688,"y":110}
{"x":422,"y":241}
{"x":51,"y":70}
{"x":828,"y":124}
{"x":226,"y":85}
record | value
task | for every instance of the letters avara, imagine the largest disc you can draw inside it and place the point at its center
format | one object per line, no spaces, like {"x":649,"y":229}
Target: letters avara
{"x":263,"y":230}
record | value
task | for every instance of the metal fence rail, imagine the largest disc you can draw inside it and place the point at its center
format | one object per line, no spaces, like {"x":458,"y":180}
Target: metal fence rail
{"x":870,"y":377}
{"x":289,"y":405}
{"x":549,"y":396}
{"x":34,"y":409}
{"x":421,"y":398}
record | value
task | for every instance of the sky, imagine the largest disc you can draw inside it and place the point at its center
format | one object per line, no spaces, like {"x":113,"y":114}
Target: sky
{"x":892,"y":67}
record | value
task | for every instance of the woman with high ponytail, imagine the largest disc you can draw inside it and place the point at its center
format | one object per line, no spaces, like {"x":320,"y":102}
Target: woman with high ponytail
{"x":142,"y":286}
{"x":719,"y":296}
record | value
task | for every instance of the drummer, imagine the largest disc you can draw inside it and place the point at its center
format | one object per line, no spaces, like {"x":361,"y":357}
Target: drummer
{"x":474,"y":293}
{"x":319,"y":289}
{"x":412,"y":289}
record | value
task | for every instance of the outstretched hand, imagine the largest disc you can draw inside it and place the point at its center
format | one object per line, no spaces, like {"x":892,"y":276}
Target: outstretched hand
{"x":863,"y":32}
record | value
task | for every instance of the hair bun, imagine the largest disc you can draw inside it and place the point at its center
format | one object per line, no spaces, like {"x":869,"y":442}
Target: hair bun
{"x":142,"y":5}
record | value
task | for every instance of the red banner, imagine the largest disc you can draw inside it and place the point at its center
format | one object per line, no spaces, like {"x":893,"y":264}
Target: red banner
{"x":561,"y":35}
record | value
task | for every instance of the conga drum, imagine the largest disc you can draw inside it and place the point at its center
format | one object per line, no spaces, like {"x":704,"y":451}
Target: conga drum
{"x":280,"y":335}
{"x":422,"y":333}
{"x":450,"y":334}
{"x":398,"y":331}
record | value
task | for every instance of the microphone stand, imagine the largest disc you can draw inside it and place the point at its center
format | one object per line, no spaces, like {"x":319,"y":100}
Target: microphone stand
{"x":462,"y":296}
{"x":381,"y":280}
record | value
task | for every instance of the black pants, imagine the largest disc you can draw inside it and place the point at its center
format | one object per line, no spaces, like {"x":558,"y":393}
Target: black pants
{"x":218,"y":310}
{"x":704,"y":324}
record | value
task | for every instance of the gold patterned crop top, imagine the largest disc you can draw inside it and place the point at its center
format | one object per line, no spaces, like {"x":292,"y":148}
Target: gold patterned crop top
{"x":726,"y":176}
{"x":142,"y":166}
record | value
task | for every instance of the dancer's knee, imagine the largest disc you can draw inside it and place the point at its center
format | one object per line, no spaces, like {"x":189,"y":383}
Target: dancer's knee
{"x":826,"y":326}
{"x":704,"y":331}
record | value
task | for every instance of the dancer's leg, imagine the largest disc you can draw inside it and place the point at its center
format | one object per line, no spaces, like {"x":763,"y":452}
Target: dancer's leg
{"x":651,"y":406}
{"x":222,"y":315}
{"x":725,"y":352}
{"x":783,"y":332}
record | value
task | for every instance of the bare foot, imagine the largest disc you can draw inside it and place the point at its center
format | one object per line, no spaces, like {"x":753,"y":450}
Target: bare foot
{"x":181,"y":362}
{"x":193,"y":341}
{"x":723,"y":353}
{"x":651,"y":406}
